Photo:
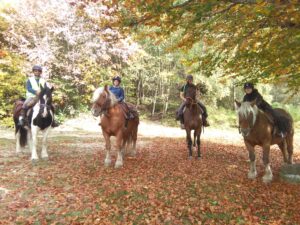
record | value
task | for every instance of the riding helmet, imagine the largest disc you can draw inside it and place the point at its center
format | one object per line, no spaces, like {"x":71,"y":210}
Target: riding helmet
{"x":189,"y":77}
{"x":118,"y":78}
{"x":37,"y":67}
{"x":248,"y":85}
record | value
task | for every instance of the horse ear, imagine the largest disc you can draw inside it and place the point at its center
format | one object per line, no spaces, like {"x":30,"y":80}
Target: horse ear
{"x":237,"y":104}
{"x":253,"y":103}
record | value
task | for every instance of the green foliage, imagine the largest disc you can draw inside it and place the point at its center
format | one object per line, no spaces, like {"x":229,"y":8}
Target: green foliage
{"x":12,"y":82}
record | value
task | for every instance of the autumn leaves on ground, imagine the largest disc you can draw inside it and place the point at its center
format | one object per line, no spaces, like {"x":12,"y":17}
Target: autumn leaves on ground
{"x":159,"y":186}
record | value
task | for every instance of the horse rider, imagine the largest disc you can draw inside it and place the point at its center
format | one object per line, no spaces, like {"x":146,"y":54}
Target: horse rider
{"x":33,"y":89}
{"x":118,"y":91}
{"x":183,"y":91}
{"x":252,"y":94}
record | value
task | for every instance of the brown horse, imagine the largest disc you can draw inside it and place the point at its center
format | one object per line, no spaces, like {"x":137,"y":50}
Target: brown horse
{"x":257,"y":128}
{"x":113,"y":123}
{"x":192,"y":120}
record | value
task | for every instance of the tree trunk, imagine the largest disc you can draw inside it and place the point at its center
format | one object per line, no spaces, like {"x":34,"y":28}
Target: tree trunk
{"x":154,"y":101}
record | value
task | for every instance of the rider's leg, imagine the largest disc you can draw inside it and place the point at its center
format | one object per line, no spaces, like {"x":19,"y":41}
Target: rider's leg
{"x":204,"y":114}
{"x":29,"y":102}
{"x":282,"y":124}
{"x":180,"y":114}
{"x":54,"y":123}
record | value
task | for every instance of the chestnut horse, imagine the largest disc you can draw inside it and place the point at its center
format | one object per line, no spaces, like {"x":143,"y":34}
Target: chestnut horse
{"x":192,"y":120}
{"x":113,"y":123}
{"x":257,"y":128}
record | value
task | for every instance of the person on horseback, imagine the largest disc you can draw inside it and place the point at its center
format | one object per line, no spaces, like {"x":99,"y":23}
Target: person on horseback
{"x":183,"y":90}
{"x":33,"y":89}
{"x":252,"y":94}
{"x":118,"y":91}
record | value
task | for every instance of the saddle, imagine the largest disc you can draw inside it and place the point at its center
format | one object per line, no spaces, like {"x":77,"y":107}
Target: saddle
{"x":129,"y":110}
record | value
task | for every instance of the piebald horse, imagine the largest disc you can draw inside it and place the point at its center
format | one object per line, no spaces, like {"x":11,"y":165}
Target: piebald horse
{"x":113,"y":123}
{"x":257,"y":128}
{"x":40,"y":118}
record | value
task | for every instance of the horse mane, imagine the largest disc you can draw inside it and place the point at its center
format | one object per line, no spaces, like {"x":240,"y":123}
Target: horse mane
{"x":111,"y":96}
{"x":246,"y":109}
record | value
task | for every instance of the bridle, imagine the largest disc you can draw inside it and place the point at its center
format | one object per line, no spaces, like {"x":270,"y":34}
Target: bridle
{"x":252,"y":123}
{"x":105,"y":105}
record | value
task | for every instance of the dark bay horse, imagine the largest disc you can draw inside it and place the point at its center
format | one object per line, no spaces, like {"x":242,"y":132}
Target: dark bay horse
{"x":113,"y":123}
{"x":192,"y":120}
{"x":40,"y":118}
{"x":257,"y":128}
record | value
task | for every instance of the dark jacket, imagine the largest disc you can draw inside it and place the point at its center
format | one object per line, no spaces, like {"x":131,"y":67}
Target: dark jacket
{"x":260,"y":102}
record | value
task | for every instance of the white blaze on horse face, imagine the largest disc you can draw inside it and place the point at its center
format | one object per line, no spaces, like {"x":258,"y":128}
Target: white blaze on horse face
{"x":44,"y":114}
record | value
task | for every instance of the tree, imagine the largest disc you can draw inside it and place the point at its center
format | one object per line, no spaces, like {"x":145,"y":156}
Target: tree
{"x":250,"y":39}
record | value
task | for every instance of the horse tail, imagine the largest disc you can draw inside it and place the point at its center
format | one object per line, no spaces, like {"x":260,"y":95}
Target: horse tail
{"x":23,"y":136}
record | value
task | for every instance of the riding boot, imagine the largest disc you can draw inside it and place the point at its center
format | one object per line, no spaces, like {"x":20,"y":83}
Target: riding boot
{"x":205,"y":122}
{"x":54,"y":122}
{"x":181,"y":122}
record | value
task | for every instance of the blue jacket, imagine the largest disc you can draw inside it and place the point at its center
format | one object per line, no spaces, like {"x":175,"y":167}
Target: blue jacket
{"x":118,"y":92}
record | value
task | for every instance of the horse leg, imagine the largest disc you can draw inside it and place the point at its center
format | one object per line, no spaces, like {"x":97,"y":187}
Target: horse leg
{"x":189,"y":142}
{"x":107,"y":160}
{"x":119,"y":162}
{"x":290,"y":147}
{"x":34,"y":131}
{"x":252,"y":172}
{"x":283,"y":148}
{"x":18,"y":146}
{"x":134,"y":138}
{"x":268,"y":172}
{"x":198,"y":144}
{"x":29,"y":139}
{"x":195,"y":137}
{"x":44,"y":144}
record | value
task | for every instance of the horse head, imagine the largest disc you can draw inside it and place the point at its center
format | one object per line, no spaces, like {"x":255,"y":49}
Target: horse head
{"x":102,"y":100}
{"x":191,"y":95}
{"x":45,"y":101}
{"x":247,"y":113}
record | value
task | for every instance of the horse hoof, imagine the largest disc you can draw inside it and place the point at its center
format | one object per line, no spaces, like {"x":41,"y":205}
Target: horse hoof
{"x":199,"y":157}
{"x":190,"y":157}
{"x":252,"y":175}
{"x":107,"y":163}
{"x":118,"y":165}
{"x":46,"y":158}
{"x":267,"y":179}
{"x":34,"y":161}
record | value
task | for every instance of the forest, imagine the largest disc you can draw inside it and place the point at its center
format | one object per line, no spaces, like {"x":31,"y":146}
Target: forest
{"x":81,"y":45}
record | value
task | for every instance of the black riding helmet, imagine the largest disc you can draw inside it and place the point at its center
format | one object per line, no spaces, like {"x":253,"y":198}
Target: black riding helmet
{"x":248,"y":85}
{"x":37,"y":67}
{"x":118,"y":78}
{"x":189,"y":77}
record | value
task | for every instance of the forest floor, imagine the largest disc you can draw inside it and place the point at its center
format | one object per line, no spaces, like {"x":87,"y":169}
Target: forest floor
{"x":158,"y":186}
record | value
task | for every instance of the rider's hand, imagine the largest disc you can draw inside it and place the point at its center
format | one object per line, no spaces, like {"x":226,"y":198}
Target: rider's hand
{"x":37,"y":93}
{"x":184,"y":99}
